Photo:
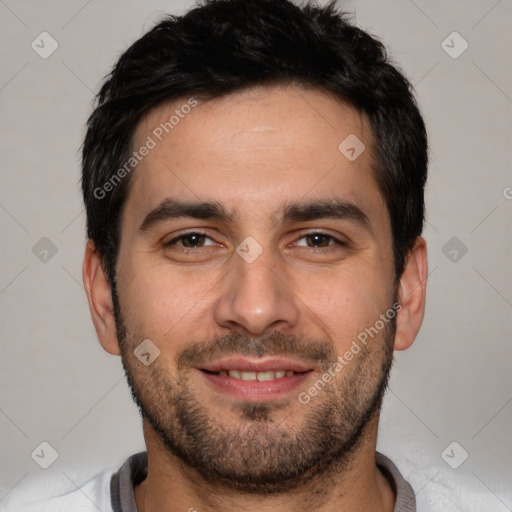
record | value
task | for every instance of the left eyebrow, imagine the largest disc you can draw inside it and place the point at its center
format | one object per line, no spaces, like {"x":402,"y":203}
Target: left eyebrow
{"x":325,"y":209}
{"x":174,"y":209}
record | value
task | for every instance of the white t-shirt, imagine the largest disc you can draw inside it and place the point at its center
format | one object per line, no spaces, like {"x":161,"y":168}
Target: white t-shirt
{"x":113,"y":492}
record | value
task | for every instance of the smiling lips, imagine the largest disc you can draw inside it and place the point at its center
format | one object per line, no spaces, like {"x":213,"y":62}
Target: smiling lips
{"x":260,"y":376}
{"x":256,"y":379}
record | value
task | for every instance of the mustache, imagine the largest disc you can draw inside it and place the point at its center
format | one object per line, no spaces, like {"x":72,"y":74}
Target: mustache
{"x":316,"y":352}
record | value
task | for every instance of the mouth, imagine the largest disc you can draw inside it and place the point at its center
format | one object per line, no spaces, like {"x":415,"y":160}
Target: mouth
{"x":251,"y":376}
{"x":255,"y":380}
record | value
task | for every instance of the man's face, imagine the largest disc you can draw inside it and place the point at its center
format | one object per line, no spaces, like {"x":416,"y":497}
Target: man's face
{"x":251,"y":310}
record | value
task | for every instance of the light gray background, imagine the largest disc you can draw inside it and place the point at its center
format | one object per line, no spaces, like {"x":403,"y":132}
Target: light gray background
{"x":454,"y":384}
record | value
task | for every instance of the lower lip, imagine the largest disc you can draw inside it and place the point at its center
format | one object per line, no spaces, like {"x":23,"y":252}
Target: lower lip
{"x":254,"y":390}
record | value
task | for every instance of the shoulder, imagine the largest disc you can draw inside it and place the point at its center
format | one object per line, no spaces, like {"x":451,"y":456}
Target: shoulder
{"x":60,"y":492}
{"x":438,"y":487}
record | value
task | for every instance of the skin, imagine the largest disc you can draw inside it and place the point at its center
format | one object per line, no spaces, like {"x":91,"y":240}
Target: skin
{"x":254,"y":151}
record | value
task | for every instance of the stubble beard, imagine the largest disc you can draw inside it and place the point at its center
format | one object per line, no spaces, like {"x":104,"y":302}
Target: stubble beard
{"x":263,"y":454}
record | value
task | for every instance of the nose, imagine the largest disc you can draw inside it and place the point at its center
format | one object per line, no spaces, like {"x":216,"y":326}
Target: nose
{"x":256,"y":297}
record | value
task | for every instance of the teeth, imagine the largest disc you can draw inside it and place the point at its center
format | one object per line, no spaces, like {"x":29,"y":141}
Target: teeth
{"x":260,"y":376}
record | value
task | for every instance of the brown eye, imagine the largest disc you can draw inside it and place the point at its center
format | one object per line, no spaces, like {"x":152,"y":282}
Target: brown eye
{"x":193,"y":240}
{"x":318,"y":240}
{"x":190,"y":241}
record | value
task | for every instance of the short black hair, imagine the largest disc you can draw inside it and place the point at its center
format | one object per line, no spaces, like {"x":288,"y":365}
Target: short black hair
{"x":222,"y":46}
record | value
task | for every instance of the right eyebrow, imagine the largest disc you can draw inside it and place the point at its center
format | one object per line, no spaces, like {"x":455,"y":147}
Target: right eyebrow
{"x":338,"y":209}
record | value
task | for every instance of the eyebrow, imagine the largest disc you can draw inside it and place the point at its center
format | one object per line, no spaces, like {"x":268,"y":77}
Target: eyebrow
{"x":170,"y":209}
{"x":327,"y":209}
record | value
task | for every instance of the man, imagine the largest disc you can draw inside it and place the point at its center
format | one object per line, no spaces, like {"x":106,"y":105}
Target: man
{"x":253,"y":176}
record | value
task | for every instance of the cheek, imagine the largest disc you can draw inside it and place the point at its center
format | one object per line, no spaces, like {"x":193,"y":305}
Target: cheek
{"x":159,"y":301}
{"x":351,"y":301}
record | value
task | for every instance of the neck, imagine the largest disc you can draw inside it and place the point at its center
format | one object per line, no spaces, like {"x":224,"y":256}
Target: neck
{"x":359,"y":485}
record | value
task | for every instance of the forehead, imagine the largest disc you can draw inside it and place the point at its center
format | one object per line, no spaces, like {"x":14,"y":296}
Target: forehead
{"x":264,"y":146}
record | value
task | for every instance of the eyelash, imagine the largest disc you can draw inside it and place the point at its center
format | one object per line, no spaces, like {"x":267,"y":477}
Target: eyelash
{"x":337,"y":241}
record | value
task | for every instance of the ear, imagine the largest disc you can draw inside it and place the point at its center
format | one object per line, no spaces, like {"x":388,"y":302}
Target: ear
{"x":99,"y":296}
{"x":411,"y":295}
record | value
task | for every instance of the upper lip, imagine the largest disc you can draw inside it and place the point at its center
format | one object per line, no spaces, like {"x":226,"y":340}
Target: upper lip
{"x":247,"y":364}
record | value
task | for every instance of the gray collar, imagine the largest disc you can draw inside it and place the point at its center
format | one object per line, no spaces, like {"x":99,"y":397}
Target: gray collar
{"x":135,"y":470}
